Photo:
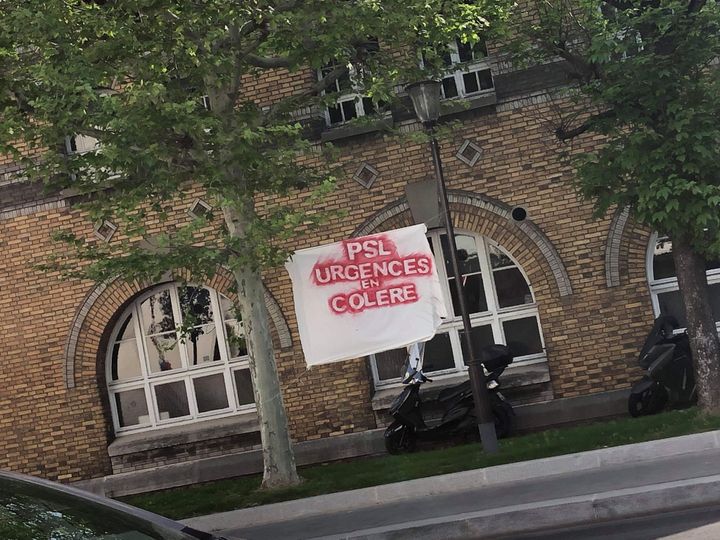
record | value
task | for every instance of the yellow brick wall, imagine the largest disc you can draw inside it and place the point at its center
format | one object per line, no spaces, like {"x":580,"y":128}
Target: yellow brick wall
{"x":592,"y":336}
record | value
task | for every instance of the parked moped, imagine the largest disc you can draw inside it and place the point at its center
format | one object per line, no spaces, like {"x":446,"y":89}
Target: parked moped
{"x":670,"y":377}
{"x":456,"y":403}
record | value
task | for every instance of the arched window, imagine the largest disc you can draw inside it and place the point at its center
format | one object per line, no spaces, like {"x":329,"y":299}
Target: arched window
{"x":662,"y":277}
{"x":177,"y":355}
{"x":501,"y":305}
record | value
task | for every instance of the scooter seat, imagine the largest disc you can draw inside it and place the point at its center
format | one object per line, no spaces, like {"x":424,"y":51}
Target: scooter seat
{"x":450,"y":394}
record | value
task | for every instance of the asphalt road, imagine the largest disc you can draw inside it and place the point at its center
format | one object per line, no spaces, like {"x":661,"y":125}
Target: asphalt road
{"x":693,"y":524}
{"x":437,"y":506}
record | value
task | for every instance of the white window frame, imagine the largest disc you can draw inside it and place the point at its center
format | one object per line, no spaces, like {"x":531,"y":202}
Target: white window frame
{"x":83,"y":144}
{"x":186,"y":373}
{"x":477,"y":65}
{"x":670,"y":284}
{"x":495,"y":316}
{"x":356,"y":96}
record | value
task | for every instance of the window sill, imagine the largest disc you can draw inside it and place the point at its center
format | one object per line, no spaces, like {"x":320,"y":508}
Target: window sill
{"x":353,"y":130}
{"x":184,"y":434}
{"x":512,"y":377}
{"x":459,"y":105}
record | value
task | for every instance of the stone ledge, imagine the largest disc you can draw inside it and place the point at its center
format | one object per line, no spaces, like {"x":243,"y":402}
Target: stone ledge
{"x":231,"y":465}
{"x":455,"y":106}
{"x":371,"y":442}
{"x":353,"y":130}
{"x":572,"y":410}
{"x":184,"y":434}
{"x":512,"y":377}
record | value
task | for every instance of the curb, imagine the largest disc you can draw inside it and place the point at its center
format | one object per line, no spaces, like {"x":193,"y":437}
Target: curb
{"x":568,"y":512}
{"x":457,"y":482}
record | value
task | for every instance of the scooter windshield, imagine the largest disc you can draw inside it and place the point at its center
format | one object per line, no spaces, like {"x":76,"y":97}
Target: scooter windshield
{"x":414,"y":363}
{"x":662,"y":329}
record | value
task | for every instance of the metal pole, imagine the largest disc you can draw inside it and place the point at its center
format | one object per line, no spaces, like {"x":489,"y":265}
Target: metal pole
{"x":483,"y":410}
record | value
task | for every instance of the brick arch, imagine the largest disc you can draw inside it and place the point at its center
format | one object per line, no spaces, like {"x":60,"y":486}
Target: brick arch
{"x":491,"y":218}
{"x":106,"y":301}
{"x":613,"y":245}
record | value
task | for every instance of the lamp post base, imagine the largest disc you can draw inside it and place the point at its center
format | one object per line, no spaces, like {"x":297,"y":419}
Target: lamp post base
{"x":488,"y":438}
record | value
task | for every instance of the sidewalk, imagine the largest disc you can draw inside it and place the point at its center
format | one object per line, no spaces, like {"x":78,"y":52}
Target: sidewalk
{"x":554,"y":492}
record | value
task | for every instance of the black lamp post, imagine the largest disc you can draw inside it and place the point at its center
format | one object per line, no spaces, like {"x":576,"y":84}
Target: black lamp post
{"x":425,"y":96}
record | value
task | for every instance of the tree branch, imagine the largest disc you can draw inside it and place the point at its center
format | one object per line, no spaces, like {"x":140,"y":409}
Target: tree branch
{"x":267,"y":61}
{"x":292,"y":102}
{"x":695,"y":6}
{"x":566,"y":134}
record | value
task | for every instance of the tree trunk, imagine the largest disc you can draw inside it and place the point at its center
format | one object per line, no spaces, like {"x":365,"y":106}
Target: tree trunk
{"x":278,"y":458}
{"x":704,"y":343}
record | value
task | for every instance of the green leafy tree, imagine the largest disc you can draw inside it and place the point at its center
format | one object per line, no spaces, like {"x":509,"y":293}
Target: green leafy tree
{"x":646,"y":80}
{"x":135,"y":75}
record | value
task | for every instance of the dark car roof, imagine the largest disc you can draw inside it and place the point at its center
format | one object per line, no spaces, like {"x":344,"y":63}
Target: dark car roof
{"x":160,"y":524}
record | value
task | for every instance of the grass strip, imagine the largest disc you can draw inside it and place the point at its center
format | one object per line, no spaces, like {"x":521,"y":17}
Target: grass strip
{"x":243,"y":492}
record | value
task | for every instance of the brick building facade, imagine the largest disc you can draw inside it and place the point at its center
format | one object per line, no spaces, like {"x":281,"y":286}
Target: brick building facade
{"x":588,"y":290}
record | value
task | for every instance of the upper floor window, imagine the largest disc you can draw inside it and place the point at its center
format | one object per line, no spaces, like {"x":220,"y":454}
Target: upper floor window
{"x":351,"y":102}
{"x":501,"y":305}
{"x":471,"y":75}
{"x":177,"y":355}
{"x":80,"y":144}
{"x":664,"y":289}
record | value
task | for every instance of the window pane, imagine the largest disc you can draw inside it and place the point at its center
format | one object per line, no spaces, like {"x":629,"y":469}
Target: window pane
{"x":202,"y":345}
{"x":481,"y":336}
{"x":486,"y":80}
{"x":210,"y":393}
{"x":449,"y":87}
{"x":663,"y":265}
{"x":125,"y":360}
{"x":470,"y":82}
{"x":511,"y":287}
{"x":227,"y":308}
{"x":349,"y":111}
{"x":335,"y":114}
{"x":467,"y":251}
{"x":522,"y":336}
{"x":474,"y":294}
{"x":479,"y":50}
{"x":157,"y":314}
{"x":243,"y":387}
{"x":498,"y":259}
{"x":368,"y":105}
{"x":438,"y":354}
{"x":671,"y":303}
{"x":172,"y":400}
{"x":390,"y":363}
{"x":715,"y":300}
{"x":127,"y":330}
{"x":132,"y":408}
{"x":236,"y":341}
{"x":195,"y":305}
{"x":163,"y":352}
{"x":344,"y":82}
{"x":464,"y":51}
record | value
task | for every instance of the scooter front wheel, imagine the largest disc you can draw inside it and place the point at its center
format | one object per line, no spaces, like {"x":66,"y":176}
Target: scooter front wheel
{"x":503,"y":417}
{"x":399,"y":438}
{"x":649,"y":401}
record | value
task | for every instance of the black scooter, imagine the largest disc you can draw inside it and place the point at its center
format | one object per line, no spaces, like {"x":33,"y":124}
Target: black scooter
{"x":670,"y":377}
{"x":456,"y":403}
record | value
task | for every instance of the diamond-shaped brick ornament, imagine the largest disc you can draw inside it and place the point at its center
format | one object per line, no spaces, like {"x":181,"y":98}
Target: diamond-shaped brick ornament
{"x":199,"y":208}
{"x":104,"y":230}
{"x":469,"y":153}
{"x":366,"y":175}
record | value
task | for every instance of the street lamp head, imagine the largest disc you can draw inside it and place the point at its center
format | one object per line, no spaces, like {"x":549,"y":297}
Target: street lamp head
{"x":425,"y":96}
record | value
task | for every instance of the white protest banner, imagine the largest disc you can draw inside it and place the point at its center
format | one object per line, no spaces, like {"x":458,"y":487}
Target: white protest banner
{"x":366,"y":295}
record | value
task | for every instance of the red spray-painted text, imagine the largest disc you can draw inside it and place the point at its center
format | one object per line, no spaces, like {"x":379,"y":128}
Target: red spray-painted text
{"x":375,"y":265}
